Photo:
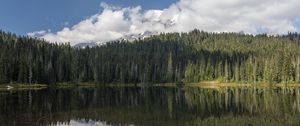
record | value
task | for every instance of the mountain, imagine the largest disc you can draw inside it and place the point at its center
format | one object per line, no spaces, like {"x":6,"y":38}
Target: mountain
{"x":141,"y":36}
{"x":86,"y":44}
{"x":129,"y":38}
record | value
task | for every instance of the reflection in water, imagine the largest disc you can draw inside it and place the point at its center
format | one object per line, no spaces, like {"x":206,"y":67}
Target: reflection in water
{"x":83,"y":123}
{"x":150,"y":106}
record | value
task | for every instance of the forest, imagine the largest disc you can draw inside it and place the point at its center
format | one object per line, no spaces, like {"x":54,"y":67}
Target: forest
{"x":188,"y":57}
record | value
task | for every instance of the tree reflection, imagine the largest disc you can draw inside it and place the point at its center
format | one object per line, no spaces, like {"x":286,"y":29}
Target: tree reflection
{"x":151,"y":106}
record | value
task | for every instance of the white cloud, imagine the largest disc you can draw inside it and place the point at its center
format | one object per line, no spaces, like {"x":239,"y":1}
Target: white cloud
{"x":36,"y":33}
{"x":274,"y":16}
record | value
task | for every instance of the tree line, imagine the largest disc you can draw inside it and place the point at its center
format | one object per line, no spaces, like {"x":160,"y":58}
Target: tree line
{"x":166,"y":58}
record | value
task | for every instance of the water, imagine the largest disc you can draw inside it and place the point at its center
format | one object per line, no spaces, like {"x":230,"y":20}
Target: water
{"x":150,"y":106}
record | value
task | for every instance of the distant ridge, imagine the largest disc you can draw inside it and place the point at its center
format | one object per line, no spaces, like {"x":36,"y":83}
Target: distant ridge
{"x":129,"y":38}
{"x":86,"y":44}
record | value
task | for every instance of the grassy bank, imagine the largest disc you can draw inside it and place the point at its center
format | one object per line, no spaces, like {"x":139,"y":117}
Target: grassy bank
{"x":218,"y":84}
{"x":22,"y":86}
{"x":70,"y":85}
{"x":204,"y":84}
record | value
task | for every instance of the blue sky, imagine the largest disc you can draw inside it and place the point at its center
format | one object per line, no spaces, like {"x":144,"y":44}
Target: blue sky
{"x":77,"y":21}
{"x":24,"y":16}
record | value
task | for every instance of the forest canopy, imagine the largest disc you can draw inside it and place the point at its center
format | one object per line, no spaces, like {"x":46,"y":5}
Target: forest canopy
{"x":166,"y":58}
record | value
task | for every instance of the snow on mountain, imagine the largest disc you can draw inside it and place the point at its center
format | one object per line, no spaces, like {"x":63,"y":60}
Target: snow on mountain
{"x":85,"y":44}
{"x":129,"y":38}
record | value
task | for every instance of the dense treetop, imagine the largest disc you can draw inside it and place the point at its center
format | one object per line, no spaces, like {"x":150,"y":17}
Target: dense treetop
{"x":169,"y":57}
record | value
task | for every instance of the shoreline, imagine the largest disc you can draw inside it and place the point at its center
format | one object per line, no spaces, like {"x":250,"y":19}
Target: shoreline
{"x":204,"y":84}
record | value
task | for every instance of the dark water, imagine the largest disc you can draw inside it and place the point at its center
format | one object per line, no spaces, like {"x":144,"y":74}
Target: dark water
{"x":150,"y":106}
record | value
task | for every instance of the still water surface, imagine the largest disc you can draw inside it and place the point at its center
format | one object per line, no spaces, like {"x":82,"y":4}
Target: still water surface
{"x":150,"y":106}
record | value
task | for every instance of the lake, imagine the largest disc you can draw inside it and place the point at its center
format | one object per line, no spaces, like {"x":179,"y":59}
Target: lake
{"x":150,"y":106}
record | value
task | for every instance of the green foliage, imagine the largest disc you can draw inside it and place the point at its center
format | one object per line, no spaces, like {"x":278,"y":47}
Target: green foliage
{"x":171,"y":57}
